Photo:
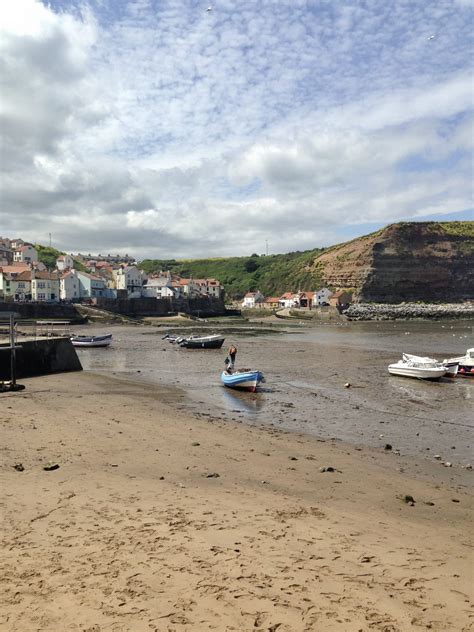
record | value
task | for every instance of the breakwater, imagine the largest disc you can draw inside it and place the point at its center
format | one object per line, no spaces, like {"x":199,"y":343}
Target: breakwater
{"x":409,"y":311}
{"x":40,"y":311}
{"x":40,"y":357}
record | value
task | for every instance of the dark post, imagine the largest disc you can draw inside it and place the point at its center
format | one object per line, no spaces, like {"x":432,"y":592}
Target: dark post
{"x":12,"y":350}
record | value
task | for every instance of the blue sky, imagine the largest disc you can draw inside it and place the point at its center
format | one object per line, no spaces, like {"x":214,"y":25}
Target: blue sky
{"x":163,"y":129}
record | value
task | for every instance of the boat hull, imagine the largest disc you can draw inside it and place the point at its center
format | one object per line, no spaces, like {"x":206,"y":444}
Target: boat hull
{"x":92,"y":341}
{"x":417,"y":372}
{"x":465,"y":362}
{"x":197,"y":343}
{"x":242,"y":380}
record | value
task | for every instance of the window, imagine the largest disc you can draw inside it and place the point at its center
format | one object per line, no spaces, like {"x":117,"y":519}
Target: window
{"x":41,"y":296}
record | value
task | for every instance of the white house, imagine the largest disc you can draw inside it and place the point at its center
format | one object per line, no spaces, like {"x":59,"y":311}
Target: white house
{"x":44,"y":286}
{"x":253,"y":299}
{"x":159,"y":287}
{"x":289,"y":299}
{"x":64,"y":262}
{"x":322,"y":297}
{"x":69,"y":286}
{"x":25,"y":253}
{"x":129,"y":278}
{"x":16,"y":286}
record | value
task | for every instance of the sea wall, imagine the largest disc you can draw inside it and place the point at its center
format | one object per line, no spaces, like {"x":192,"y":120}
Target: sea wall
{"x":42,"y":311}
{"x":409,"y":311}
{"x":139,"y":307}
{"x":40,"y":357}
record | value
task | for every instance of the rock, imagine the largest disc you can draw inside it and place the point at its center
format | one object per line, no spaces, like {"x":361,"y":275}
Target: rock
{"x":447,"y":464}
{"x":437,"y":457}
{"x":328,"y":468}
{"x":409,"y":500}
{"x":213,"y":475}
{"x":347,"y":385}
{"x":292,"y":458}
{"x":195,"y":444}
{"x":19,"y":467}
{"x":388,"y":446}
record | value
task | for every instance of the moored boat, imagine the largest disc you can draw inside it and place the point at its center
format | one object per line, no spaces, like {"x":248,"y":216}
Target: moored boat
{"x":243,"y":379}
{"x":418,"y":367}
{"x":92,"y":341}
{"x":214,"y":341}
{"x":465,"y":363}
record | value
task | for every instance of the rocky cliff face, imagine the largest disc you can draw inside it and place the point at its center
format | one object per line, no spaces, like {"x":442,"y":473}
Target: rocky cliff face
{"x":413,"y":261}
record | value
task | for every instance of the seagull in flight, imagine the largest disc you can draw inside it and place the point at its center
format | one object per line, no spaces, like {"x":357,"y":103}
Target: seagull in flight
{"x":209,"y":9}
{"x":430,"y":37}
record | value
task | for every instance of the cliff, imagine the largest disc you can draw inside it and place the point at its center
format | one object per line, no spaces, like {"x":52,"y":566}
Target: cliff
{"x":412,"y":261}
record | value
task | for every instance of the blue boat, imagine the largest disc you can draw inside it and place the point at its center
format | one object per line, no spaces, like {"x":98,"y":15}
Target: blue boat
{"x":244,"y":379}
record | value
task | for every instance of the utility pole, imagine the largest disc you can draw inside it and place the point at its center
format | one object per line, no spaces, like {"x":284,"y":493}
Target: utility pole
{"x":266,"y":246}
{"x":50,"y":240}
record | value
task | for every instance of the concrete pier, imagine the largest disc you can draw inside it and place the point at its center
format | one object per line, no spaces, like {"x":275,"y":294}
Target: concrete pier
{"x":39,"y":357}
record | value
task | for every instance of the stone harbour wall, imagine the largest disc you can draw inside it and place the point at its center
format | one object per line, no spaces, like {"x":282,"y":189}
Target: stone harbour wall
{"x":410,"y":311}
{"x":40,"y":357}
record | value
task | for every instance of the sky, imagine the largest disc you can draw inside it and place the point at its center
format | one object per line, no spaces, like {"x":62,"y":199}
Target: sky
{"x":159,"y":128}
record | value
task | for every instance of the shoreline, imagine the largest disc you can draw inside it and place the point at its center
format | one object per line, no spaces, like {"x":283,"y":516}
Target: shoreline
{"x":159,"y":519}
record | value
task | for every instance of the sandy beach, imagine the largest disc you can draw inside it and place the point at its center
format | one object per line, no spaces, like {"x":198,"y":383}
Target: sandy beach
{"x":157,"y":519}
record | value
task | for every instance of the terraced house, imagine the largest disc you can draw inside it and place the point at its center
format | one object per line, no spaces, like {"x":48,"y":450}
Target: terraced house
{"x":44,"y":286}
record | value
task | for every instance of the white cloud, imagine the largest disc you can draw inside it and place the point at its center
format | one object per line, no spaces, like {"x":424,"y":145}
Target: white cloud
{"x":164,"y":130}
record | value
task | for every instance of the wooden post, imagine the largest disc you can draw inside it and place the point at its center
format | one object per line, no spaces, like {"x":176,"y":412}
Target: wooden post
{"x":12,"y":350}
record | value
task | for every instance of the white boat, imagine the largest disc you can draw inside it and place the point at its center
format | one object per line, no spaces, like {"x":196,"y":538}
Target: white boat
{"x":465,"y":363}
{"x":451,"y":366}
{"x":418,"y":367}
{"x":92,"y":341}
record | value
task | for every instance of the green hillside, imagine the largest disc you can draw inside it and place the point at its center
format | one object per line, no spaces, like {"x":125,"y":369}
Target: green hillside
{"x":343,"y":265}
{"x":48,"y":256}
{"x":271,"y":274}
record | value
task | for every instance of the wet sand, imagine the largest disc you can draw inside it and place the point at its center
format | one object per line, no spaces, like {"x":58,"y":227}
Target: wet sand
{"x":306,"y":369}
{"x":162,"y":519}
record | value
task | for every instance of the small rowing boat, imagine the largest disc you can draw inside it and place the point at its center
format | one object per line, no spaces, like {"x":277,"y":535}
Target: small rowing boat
{"x":92,"y":341}
{"x":213,"y":341}
{"x":243,"y":379}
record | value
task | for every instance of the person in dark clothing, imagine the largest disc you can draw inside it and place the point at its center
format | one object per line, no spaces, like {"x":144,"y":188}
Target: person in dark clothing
{"x":232,"y":353}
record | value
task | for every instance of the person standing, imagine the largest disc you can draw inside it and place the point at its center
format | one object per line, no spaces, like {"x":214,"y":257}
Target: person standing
{"x":232,"y":353}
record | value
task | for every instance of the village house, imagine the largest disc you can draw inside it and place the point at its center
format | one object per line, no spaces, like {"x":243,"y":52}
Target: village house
{"x":160,"y":286}
{"x":288,"y":300}
{"x":253,"y":299}
{"x":340,"y":299}
{"x":69,"y":286}
{"x":129,"y":278}
{"x":322,"y":297}
{"x":91,"y":286}
{"x":25,"y":253}
{"x":15,"y":286}
{"x":6,"y":252}
{"x":214,"y":288}
{"x":64,"y":262}
{"x":16,"y":243}
{"x":44,"y":286}
{"x":305,"y":299}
